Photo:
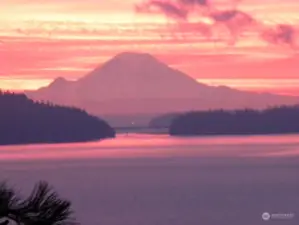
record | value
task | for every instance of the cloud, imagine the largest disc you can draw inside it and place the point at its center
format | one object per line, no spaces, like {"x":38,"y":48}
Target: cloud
{"x":280,"y":34}
{"x":236,"y":21}
{"x":167,"y":8}
{"x":180,"y":10}
{"x":195,"y":2}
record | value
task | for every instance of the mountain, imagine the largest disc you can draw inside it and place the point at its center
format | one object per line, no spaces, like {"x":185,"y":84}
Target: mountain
{"x":138,"y":83}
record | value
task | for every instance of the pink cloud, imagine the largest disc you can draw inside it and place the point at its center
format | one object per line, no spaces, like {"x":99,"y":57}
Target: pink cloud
{"x":81,"y":40}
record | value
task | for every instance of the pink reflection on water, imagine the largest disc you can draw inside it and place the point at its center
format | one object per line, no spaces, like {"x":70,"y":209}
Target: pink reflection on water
{"x":143,"y":145}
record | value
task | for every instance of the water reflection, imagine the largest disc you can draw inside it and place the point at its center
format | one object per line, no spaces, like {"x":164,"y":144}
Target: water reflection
{"x":145,"y":145}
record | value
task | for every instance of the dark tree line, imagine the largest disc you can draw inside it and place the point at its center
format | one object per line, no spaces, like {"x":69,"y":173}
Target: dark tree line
{"x":24,"y":121}
{"x":42,"y":207}
{"x":284,"y":119}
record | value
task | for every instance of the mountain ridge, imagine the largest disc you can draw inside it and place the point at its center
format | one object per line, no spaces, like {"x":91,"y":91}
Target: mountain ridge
{"x":133,"y":82}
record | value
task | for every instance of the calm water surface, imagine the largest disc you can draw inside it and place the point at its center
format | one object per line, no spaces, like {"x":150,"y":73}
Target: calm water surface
{"x":142,"y":145}
{"x":161,"y":180}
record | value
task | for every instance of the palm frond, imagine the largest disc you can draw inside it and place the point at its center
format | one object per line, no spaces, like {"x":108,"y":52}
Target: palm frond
{"x":8,"y":200}
{"x":44,"y":207}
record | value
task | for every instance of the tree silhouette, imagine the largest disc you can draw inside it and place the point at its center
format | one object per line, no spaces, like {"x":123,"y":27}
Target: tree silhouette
{"x":24,"y":121}
{"x":276,"y":120}
{"x":42,"y":207}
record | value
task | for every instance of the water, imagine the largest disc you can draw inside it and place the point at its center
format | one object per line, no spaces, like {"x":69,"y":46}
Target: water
{"x":161,"y":180}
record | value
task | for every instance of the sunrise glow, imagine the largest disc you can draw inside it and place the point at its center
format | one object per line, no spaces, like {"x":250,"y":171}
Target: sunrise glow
{"x":44,"y":40}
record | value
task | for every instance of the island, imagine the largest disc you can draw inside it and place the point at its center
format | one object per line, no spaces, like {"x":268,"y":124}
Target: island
{"x":274,"y":120}
{"x":24,"y":121}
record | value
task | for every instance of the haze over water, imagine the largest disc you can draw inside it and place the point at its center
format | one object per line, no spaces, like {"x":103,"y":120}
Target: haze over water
{"x":161,"y":180}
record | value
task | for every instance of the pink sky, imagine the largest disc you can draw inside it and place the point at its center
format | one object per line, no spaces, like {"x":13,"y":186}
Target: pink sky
{"x":43,"y":40}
